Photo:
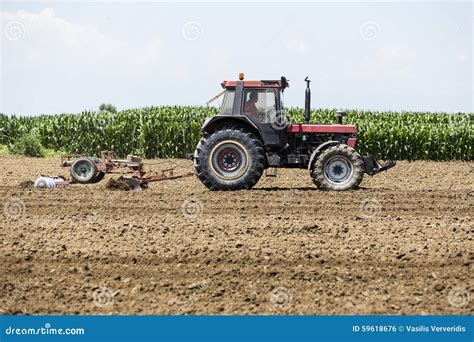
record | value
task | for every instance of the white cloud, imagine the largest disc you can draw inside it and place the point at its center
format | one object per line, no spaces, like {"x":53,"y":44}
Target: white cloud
{"x":51,"y":41}
{"x":388,"y":62}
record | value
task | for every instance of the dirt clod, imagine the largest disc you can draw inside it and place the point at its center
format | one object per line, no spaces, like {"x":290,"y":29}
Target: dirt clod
{"x":120,"y":183}
{"x":28,"y":184}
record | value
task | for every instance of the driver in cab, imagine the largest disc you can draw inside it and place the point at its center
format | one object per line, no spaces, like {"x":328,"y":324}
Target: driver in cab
{"x":250,"y":106}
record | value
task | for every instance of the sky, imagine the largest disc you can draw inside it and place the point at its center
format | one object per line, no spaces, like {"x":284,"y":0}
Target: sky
{"x":66,"y":57}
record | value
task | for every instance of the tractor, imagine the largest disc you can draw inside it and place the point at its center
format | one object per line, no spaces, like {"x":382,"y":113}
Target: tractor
{"x":251,"y":133}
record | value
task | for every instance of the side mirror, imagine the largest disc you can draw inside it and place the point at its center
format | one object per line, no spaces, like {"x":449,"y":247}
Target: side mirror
{"x":284,"y":82}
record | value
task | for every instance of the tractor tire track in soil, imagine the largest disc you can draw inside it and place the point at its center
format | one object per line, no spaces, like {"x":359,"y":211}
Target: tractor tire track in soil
{"x":401,"y":244}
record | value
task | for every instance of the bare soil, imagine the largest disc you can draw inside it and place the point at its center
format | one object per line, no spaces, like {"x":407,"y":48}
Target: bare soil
{"x":401,"y":244}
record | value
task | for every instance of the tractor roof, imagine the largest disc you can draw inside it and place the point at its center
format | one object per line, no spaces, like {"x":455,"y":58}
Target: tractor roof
{"x":253,"y":84}
{"x":281,"y":83}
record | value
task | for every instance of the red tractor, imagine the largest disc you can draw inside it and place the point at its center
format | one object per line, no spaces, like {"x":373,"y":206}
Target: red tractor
{"x":251,"y":134}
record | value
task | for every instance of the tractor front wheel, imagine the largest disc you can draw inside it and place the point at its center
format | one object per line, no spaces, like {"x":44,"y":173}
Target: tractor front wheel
{"x":338,"y":168}
{"x":229,"y":159}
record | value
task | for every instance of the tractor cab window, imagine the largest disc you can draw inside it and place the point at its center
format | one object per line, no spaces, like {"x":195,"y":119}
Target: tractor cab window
{"x":228,"y":102}
{"x":260,"y":103}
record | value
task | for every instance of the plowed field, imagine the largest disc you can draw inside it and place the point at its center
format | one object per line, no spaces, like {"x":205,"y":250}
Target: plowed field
{"x":401,"y":244}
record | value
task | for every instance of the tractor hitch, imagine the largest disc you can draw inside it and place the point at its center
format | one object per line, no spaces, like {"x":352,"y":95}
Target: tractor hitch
{"x":373,"y":166}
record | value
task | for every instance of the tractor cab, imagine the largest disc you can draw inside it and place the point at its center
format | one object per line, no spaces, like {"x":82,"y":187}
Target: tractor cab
{"x":260,"y":99}
{"x":257,"y":104}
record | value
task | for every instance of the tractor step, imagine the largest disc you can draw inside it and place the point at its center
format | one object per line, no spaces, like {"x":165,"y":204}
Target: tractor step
{"x":271,"y":172}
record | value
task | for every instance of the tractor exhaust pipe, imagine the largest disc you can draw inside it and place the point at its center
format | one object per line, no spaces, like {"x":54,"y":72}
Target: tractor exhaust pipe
{"x":339,"y":115}
{"x":307,"y":101}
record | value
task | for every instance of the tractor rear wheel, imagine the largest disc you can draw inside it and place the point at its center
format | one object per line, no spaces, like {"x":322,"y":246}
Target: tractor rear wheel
{"x":338,"y":168}
{"x":229,"y":159}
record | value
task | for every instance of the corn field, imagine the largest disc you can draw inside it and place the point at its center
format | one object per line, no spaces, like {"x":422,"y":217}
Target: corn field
{"x":172,"y":132}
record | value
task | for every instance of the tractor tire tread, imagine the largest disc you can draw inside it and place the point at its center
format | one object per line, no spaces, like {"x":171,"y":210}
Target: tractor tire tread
{"x":256,"y":152}
{"x":317,"y":170}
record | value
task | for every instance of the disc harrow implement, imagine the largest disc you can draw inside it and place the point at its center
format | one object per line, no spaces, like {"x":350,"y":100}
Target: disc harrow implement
{"x":89,"y":170}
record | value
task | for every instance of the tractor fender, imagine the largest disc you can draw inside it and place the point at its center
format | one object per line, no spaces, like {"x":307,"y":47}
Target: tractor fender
{"x":266,"y":134}
{"x":319,"y":149}
{"x":218,"y":120}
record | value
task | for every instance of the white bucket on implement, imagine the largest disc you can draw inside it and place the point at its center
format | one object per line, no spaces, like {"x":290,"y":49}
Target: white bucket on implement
{"x":50,"y":182}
